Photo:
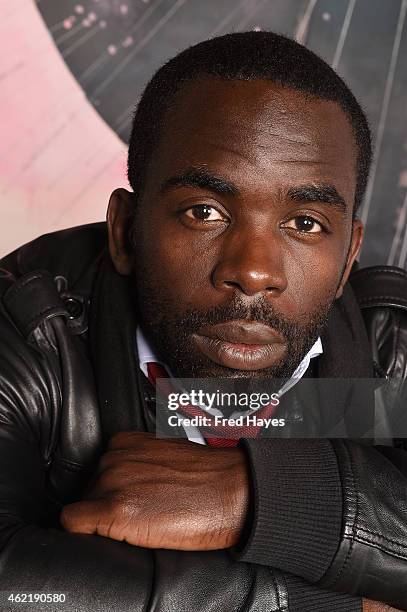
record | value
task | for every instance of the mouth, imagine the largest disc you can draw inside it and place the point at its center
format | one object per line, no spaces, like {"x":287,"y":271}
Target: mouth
{"x":241,"y":344}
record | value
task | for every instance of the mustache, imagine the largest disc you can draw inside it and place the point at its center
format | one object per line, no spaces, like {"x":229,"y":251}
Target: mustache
{"x":259,"y":310}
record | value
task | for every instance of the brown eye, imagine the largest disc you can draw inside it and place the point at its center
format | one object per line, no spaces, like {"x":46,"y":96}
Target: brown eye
{"x":204,"y":212}
{"x":305,"y":224}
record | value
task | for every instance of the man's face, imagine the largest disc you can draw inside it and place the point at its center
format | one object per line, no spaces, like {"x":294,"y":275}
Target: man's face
{"x":243,"y":236}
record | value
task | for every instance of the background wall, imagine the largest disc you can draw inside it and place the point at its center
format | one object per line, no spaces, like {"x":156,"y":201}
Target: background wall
{"x":71,"y":72}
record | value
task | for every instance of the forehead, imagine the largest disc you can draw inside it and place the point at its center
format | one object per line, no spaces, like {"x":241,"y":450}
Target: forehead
{"x":257,"y":129}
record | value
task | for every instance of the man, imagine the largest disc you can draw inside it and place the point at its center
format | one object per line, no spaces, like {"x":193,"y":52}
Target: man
{"x":230,"y":258}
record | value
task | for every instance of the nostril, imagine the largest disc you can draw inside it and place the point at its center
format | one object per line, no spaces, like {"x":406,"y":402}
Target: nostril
{"x":231,"y":284}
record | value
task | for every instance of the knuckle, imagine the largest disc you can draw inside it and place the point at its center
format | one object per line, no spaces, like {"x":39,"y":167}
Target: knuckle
{"x":107,"y":481}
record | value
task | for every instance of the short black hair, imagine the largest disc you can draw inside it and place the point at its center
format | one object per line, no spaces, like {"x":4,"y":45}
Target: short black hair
{"x":243,"y":56}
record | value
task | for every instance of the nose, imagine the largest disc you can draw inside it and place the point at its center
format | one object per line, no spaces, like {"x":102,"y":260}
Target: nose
{"x":251,"y":264}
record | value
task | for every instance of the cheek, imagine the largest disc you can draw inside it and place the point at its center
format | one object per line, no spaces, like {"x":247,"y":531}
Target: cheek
{"x":179,"y":263}
{"x":313,"y":275}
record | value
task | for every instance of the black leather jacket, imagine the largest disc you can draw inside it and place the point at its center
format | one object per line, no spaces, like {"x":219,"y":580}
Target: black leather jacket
{"x":347,"y":539}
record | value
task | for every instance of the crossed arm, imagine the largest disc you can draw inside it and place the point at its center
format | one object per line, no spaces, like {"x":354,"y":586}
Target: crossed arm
{"x":169,"y":494}
{"x":93,"y":571}
{"x":150,"y":493}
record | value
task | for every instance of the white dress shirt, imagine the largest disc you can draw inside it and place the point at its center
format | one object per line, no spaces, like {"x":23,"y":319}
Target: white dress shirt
{"x":146,"y":355}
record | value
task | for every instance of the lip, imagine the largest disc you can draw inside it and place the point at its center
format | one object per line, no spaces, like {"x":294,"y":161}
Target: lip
{"x":240,"y":344}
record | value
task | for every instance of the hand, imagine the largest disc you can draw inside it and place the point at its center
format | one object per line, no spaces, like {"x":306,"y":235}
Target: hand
{"x":158,"y":493}
{"x":376,"y":606}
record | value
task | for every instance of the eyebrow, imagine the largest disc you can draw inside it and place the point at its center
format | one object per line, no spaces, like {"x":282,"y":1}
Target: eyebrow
{"x":202,"y":178}
{"x":205,"y":179}
{"x":326,"y":194}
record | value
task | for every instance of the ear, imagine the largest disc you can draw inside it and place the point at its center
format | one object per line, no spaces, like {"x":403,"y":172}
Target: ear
{"x":120,"y":215}
{"x":354,"y":248}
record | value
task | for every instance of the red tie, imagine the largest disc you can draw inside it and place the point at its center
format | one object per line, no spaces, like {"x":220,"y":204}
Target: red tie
{"x":210,"y":431}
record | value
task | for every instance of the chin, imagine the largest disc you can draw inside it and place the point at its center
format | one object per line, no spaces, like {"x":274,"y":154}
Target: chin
{"x":213,"y":370}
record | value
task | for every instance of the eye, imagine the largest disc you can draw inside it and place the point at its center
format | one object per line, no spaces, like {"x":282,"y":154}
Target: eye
{"x":205,"y":213}
{"x":305,"y":224}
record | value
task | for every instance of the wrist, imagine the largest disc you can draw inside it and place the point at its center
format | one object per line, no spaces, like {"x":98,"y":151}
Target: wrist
{"x":236,"y":500}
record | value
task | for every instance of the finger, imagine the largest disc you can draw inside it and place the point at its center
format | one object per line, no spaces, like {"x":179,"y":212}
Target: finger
{"x":89,"y":517}
{"x":111,"y":480}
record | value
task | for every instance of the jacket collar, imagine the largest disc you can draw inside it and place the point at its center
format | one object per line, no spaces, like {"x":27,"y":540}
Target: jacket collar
{"x":347,"y":356}
{"x":112,"y":328}
{"x":347,"y":352}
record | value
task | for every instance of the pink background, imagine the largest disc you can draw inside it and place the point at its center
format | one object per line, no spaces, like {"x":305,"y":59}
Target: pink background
{"x":59,"y":161}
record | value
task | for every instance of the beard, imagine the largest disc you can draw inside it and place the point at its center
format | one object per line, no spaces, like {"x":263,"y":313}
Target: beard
{"x":170,"y":333}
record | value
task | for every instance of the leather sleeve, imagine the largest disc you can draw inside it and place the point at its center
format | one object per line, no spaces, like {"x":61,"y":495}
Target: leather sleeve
{"x":332,"y":512}
{"x":100,"y":574}
{"x":35,"y":558}
{"x":372,"y":556}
